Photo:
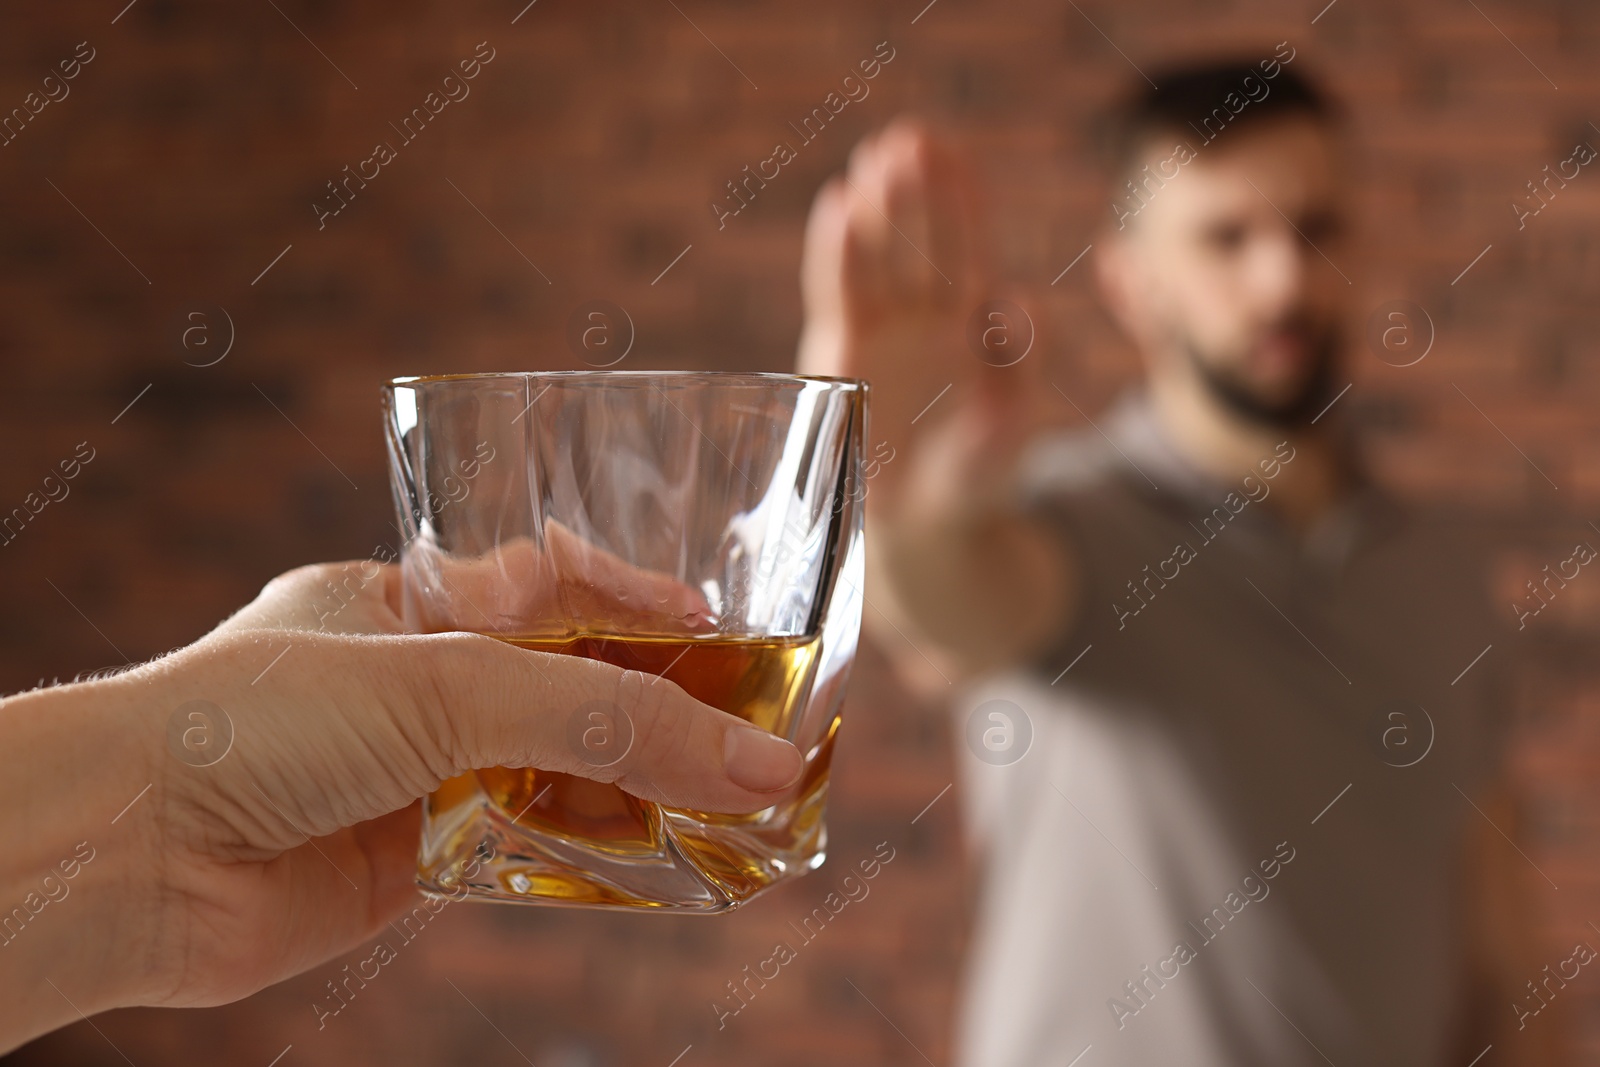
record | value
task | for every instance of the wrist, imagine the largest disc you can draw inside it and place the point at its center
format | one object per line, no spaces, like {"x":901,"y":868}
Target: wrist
{"x":78,"y":884}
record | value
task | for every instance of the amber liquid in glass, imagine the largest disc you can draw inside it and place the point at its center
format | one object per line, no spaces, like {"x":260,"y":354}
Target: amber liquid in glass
{"x":760,"y":679}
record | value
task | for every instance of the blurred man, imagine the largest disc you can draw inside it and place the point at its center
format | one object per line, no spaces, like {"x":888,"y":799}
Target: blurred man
{"x":1234,"y":771}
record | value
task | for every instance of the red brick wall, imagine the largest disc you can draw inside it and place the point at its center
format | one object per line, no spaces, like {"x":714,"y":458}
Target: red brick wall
{"x":199,"y":136}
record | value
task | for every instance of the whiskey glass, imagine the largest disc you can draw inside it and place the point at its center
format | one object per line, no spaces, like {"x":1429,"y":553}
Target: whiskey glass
{"x":701,"y":527}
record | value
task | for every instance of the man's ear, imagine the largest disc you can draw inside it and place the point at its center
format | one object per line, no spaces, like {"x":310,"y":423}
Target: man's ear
{"x":1117,"y":278}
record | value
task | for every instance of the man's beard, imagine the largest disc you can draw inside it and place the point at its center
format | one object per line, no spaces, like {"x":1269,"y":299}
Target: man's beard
{"x":1292,"y":412}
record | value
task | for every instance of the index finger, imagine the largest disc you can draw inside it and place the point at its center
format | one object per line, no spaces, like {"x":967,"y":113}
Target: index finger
{"x":565,"y":585}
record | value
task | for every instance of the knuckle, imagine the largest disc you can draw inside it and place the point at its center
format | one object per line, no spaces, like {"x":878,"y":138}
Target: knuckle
{"x":662,"y":727}
{"x":444,"y":677}
{"x":456,"y":662}
{"x":307,"y":576}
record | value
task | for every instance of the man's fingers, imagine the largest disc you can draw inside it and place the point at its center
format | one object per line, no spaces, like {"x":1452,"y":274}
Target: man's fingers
{"x":934,"y":201}
{"x":890,"y":243}
{"x":890,"y":214}
{"x":822,"y":259}
{"x":901,"y":193}
{"x":955,"y":203}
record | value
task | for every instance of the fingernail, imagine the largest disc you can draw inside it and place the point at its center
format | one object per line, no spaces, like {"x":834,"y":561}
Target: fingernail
{"x":759,"y":761}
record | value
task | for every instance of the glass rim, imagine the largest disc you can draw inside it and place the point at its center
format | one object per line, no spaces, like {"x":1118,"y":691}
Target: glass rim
{"x":732,"y":377}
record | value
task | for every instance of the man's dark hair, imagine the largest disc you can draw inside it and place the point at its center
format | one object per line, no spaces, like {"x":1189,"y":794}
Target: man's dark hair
{"x":1197,"y":102}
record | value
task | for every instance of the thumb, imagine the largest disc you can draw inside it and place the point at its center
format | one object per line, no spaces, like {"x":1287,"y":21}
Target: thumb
{"x":350,"y":727}
{"x":513,"y":707}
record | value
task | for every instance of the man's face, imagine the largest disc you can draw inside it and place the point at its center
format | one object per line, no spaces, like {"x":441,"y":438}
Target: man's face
{"x":1226,"y":276}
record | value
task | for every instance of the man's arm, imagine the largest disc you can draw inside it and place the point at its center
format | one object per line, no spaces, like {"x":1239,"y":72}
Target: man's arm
{"x":959,"y":579}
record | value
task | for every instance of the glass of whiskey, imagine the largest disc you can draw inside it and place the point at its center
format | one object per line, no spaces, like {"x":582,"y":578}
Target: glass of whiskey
{"x":702,"y":527}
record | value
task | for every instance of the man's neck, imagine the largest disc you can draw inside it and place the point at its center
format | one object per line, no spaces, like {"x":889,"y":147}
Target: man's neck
{"x":1221,"y":444}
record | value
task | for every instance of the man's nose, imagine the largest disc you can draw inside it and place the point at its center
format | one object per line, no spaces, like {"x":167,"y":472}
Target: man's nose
{"x":1280,"y":269}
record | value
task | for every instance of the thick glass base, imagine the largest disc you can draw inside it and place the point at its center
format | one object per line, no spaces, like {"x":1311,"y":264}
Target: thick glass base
{"x":579,"y":842}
